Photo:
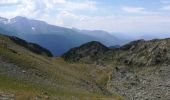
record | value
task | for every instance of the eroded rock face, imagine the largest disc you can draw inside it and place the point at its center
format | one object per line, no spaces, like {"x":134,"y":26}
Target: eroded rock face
{"x":142,"y":84}
{"x":146,"y":53}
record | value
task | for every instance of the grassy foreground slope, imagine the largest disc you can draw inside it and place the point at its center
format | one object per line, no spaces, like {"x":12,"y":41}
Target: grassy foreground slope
{"x":25,"y":75}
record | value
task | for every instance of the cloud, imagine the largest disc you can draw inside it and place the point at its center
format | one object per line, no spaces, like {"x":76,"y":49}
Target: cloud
{"x":167,"y":8}
{"x":9,"y":1}
{"x":70,"y":6}
{"x":63,"y":13}
{"x":33,"y":8}
{"x":4,"y":3}
{"x":129,"y":9}
{"x":128,"y":24}
{"x":87,"y":5}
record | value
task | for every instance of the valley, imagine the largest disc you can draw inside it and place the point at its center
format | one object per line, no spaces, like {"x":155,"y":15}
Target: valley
{"x":138,"y":70}
{"x":28,"y":75}
{"x":84,"y":50}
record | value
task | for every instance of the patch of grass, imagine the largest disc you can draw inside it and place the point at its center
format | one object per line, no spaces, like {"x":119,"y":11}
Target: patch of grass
{"x":26,"y":91}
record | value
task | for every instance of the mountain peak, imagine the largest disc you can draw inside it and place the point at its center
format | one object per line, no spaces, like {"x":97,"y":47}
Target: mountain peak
{"x":93,"y":43}
{"x":131,"y":44}
{"x":85,"y":51}
{"x":20,"y":18}
{"x":3,"y":20}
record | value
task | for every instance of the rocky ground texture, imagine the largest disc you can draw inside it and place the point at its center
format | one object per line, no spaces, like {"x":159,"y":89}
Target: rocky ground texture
{"x":150,"y":84}
{"x":141,"y":69}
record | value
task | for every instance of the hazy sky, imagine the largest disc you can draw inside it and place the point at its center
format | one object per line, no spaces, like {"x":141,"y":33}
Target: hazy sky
{"x":130,"y":16}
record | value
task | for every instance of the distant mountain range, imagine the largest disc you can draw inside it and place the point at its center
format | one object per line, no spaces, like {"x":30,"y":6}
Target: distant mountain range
{"x":57,"y":39}
{"x":103,"y":36}
{"x":60,"y":39}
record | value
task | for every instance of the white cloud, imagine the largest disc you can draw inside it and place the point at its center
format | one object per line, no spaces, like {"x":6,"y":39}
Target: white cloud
{"x":167,"y":8}
{"x":33,"y":8}
{"x":81,"y":6}
{"x":129,"y":9}
{"x":27,"y":8}
{"x":9,"y":1}
{"x":61,"y":12}
{"x":131,"y":24}
{"x":70,"y":6}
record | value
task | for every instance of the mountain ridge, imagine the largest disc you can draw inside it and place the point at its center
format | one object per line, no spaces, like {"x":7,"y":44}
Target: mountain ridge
{"x":139,"y":70}
{"x":39,"y":31}
{"x":84,"y":51}
{"x":31,"y":46}
{"x":139,"y":49}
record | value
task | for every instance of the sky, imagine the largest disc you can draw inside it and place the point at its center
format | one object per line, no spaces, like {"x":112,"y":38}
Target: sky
{"x":124,"y":16}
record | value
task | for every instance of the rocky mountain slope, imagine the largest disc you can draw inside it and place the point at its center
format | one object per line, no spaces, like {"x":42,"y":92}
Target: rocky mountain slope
{"x":28,"y":75}
{"x":89,"y":50}
{"x":146,"y":53}
{"x":31,"y":46}
{"x":139,"y":70}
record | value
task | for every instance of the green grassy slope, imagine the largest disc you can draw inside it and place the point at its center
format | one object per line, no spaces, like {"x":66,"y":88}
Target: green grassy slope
{"x":26,"y":75}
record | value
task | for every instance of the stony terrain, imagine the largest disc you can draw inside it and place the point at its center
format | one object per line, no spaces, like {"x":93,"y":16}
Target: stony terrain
{"x":146,"y":84}
{"x":140,"y":69}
